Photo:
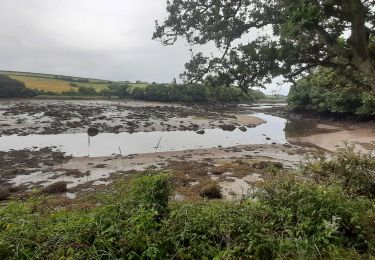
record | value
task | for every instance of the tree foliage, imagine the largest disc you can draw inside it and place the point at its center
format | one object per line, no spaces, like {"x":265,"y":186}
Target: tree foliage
{"x":302,"y":34}
{"x":190,"y":93}
{"x":326,"y":91}
{"x":10,"y":88}
{"x":118,"y":89}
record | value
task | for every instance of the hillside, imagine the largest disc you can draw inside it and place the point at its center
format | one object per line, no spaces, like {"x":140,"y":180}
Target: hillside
{"x":59,"y":83}
{"x":55,"y":83}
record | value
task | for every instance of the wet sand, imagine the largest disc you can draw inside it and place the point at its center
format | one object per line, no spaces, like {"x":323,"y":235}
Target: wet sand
{"x":362,"y":139}
{"x":84,"y":173}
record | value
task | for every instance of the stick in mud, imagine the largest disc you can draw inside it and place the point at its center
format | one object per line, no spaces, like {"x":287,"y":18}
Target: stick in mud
{"x":122,"y":159}
{"x":157,"y":146}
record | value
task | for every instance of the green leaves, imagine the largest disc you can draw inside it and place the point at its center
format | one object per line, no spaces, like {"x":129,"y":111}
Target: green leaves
{"x":305,"y":34}
{"x":289,"y":216}
{"x":326,"y":91}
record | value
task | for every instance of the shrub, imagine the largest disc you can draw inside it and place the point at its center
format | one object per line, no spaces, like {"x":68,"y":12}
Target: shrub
{"x":211,"y":191}
{"x":152,"y":192}
{"x":11,"y":88}
{"x":354,"y":172}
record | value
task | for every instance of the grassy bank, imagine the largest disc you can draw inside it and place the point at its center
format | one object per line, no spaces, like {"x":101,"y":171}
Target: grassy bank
{"x":325,"y":210}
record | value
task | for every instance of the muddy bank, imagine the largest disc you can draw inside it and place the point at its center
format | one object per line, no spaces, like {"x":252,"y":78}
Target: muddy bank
{"x":270,"y":142}
{"x":56,"y":117}
{"x":86,"y":173}
{"x":326,"y":132}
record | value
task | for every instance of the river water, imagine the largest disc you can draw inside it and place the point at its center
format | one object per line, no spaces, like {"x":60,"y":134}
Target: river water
{"x":105,"y":144}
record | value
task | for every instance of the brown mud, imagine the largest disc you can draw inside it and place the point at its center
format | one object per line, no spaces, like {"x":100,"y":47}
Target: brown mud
{"x":193,"y":172}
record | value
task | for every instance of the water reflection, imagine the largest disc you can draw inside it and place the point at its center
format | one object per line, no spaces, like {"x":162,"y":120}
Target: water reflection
{"x":299,"y":127}
{"x":106,"y":144}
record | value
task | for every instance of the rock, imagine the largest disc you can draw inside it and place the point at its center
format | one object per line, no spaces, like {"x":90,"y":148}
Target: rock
{"x":92,"y":131}
{"x":267,"y":138}
{"x":218,"y":170}
{"x":75,"y":173}
{"x":201,"y":132}
{"x":57,"y":187}
{"x":228,"y":127}
{"x":4,"y":194}
{"x":243,"y":128}
{"x":100,"y":166}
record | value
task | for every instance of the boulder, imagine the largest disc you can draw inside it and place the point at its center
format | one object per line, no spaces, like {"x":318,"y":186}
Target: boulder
{"x":92,"y":131}
{"x":243,"y":128}
{"x":201,"y":132}
{"x":228,"y":127}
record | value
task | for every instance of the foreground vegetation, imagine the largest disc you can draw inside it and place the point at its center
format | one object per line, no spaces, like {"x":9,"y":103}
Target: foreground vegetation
{"x":325,"y":210}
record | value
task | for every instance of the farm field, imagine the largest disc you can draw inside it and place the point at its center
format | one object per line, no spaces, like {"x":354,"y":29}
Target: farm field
{"x":54,"y":83}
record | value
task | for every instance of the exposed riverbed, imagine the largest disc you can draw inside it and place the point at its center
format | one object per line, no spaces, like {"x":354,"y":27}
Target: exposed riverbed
{"x":43,"y":142}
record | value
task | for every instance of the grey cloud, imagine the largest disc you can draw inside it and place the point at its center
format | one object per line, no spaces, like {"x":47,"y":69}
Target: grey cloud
{"x":109,"y":39}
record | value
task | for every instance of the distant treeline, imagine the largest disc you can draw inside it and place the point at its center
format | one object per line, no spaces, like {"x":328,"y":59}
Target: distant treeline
{"x":75,"y":79}
{"x":71,"y":79}
{"x":152,"y":92}
{"x":167,"y":92}
{"x":180,"y":93}
{"x":11,"y":88}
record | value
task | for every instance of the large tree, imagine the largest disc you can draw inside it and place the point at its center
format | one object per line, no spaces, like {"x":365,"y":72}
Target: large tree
{"x":303,"y":34}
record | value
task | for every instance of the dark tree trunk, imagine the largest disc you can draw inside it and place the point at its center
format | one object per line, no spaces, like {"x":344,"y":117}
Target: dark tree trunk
{"x":359,"y":39}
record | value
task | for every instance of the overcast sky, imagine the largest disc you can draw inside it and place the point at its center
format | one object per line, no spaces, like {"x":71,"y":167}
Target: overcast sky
{"x":106,"y":39}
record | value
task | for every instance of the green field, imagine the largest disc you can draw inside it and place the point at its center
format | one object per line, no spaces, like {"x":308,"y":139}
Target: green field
{"x":55,"y":83}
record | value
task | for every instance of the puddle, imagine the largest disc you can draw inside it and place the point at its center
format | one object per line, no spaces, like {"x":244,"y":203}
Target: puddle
{"x":263,"y":105}
{"x":107,"y":144}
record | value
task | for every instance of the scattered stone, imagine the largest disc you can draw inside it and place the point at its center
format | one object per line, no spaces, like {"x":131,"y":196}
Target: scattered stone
{"x":228,"y":127}
{"x":57,"y":187}
{"x":243,"y":128}
{"x":201,"y":132}
{"x":266,"y":164}
{"x":100,"y":166}
{"x":92,"y":131}
{"x":76,"y":173}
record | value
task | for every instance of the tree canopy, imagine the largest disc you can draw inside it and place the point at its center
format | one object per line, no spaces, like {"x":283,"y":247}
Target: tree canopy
{"x":11,"y":88}
{"x":300,"y":36}
{"x":326,"y":92}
